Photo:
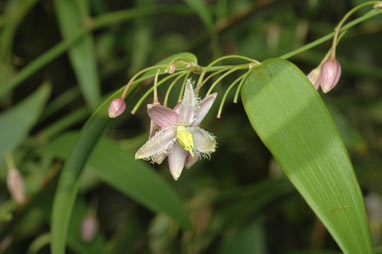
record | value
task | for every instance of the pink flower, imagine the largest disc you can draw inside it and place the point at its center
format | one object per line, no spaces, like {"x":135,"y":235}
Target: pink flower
{"x":179,"y":137}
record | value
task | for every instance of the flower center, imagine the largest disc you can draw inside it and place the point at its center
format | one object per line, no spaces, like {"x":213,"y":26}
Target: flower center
{"x":185,"y":139}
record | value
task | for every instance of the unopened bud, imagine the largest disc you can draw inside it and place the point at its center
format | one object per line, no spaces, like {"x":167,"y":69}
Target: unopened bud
{"x":15,"y":184}
{"x":172,"y":68}
{"x":330,"y":74}
{"x":117,"y":107}
{"x":314,"y":77}
{"x":89,"y":228}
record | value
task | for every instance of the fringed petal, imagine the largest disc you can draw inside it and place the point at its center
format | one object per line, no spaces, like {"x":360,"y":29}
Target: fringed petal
{"x":204,"y":107}
{"x":204,"y":142}
{"x":158,"y":144}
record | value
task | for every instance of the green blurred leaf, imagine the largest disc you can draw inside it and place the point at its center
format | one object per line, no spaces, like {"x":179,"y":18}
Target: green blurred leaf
{"x":72,"y":17}
{"x":202,"y":10}
{"x":142,"y":40}
{"x":350,"y":136}
{"x":16,"y":122}
{"x":293,"y":122}
{"x":74,"y":238}
{"x":136,"y":179}
{"x":91,"y":133}
{"x":249,"y":240}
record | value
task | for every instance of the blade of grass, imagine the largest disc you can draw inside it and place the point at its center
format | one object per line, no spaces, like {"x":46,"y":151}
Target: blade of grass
{"x":72,"y":20}
{"x":292,"y":121}
{"x":18,"y":121}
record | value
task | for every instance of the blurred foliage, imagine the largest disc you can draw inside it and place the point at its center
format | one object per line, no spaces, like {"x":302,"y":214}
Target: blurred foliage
{"x":239,"y":201}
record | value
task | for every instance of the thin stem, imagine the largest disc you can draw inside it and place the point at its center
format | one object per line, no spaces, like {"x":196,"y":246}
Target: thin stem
{"x":171,"y":86}
{"x":327,"y":37}
{"x":182,"y":90}
{"x":218,"y":60}
{"x":148,"y":92}
{"x":239,"y":87}
{"x":226,"y":94}
{"x":221,"y":78}
{"x":338,"y":27}
{"x":137,"y":75}
{"x":156,"y":101}
{"x":329,"y":53}
{"x":183,"y":86}
{"x":209,"y":77}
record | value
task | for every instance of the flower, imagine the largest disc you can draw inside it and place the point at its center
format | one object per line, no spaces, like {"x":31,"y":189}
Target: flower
{"x":175,"y":133}
{"x":330,"y":74}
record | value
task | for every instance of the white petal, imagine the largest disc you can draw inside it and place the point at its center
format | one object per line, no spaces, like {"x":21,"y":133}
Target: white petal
{"x":158,"y":158}
{"x":158,"y":144}
{"x":204,"y":107}
{"x":191,"y":160}
{"x":204,"y":142}
{"x":188,"y":106}
{"x":176,"y":160}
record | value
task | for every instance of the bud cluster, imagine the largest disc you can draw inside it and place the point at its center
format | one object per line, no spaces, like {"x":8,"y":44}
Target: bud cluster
{"x":326,"y":76}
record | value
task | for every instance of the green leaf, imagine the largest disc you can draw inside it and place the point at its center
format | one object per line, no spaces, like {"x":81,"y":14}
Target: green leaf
{"x":141,"y":39}
{"x":72,"y":18}
{"x":16,"y":122}
{"x":136,"y":179}
{"x":67,"y":187}
{"x":202,"y":10}
{"x":249,"y":240}
{"x":97,"y":245}
{"x":294,"y":124}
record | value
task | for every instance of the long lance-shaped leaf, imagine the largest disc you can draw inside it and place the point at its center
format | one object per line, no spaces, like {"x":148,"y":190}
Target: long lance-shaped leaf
{"x":16,"y":122}
{"x":72,"y":16}
{"x":67,"y":187}
{"x":294,"y":124}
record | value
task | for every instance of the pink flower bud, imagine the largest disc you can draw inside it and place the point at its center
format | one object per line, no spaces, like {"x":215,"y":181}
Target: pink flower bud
{"x":314,"y":77}
{"x":330,"y":74}
{"x":89,"y":228}
{"x":117,"y":107}
{"x":172,"y":68}
{"x":15,"y":184}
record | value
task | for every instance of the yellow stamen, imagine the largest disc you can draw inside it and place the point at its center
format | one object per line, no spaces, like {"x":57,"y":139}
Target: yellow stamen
{"x":185,"y":139}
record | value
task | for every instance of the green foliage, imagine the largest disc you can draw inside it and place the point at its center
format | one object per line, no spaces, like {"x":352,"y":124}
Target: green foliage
{"x":293,"y":122}
{"x":19,"y":120}
{"x":75,"y":160}
{"x":73,"y":18}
